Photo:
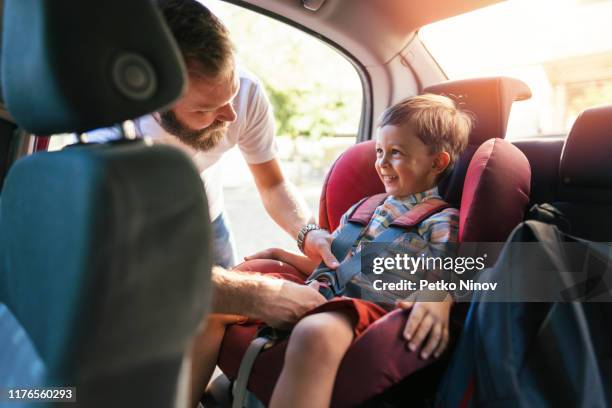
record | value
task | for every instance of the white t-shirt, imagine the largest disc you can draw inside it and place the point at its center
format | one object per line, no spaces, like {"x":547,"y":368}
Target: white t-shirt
{"x":252,"y":131}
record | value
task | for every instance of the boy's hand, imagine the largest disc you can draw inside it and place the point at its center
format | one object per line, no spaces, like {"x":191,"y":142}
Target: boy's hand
{"x":427,"y":318}
{"x":270,"y":253}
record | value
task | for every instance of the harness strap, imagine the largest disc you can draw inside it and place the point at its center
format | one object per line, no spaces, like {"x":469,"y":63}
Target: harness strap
{"x":362,"y":214}
{"x":337,"y":279}
{"x":420,"y":213}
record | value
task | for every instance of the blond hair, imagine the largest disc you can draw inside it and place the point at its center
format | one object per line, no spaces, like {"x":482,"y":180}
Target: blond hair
{"x":436,"y":121}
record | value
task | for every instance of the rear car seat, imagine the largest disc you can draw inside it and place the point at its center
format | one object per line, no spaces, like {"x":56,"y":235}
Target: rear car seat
{"x":104,"y":249}
{"x":584,"y":187}
{"x":497,"y":189}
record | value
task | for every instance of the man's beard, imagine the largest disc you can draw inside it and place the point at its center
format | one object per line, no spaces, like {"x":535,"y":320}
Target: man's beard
{"x":203,"y":139}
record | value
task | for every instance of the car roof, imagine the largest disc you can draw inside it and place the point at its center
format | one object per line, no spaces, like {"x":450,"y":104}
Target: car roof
{"x":373,"y":31}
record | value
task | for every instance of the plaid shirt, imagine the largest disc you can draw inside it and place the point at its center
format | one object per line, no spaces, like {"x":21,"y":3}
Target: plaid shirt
{"x":434,"y":233}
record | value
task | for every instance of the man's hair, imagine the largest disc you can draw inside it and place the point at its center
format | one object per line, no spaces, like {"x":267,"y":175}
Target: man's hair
{"x":436,"y":121}
{"x":202,"y":38}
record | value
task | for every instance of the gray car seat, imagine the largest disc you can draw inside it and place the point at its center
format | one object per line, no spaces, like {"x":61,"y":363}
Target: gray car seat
{"x":104,"y":249}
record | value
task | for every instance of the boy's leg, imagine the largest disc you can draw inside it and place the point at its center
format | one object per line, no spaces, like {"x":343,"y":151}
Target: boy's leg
{"x":205,"y":350}
{"x":316,"y":348}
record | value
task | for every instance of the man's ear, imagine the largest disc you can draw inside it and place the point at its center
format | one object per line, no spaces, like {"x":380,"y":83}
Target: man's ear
{"x":441,"y":162}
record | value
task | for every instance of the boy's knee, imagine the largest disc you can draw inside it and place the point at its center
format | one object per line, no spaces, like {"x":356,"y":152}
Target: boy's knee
{"x":323,"y":334}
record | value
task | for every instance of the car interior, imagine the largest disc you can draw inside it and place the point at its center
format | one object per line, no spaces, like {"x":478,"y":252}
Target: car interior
{"x":105,"y":253}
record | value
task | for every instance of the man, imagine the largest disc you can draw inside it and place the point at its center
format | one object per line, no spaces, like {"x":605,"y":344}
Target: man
{"x":225,"y":106}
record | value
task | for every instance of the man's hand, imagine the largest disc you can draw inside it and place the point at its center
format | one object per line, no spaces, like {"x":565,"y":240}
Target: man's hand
{"x":427,"y":318}
{"x":282,"y":303}
{"x":317,"y":246}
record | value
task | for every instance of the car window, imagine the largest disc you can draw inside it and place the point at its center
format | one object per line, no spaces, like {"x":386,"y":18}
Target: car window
{"x":317,"y":98}
{"x":560,"y":48}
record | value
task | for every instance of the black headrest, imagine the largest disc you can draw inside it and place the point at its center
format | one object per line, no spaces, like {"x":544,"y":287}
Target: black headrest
{"x":489,"y":99}
{"x":585,"y":159}
{"x":75,"y":65}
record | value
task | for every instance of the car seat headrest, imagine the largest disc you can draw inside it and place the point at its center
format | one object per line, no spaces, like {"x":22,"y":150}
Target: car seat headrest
{"x":72,"y":65}
{"x":585,"y":159}
{"x":351,"y":178}
{"x":495,"y":192}
{"x":489,"y":99}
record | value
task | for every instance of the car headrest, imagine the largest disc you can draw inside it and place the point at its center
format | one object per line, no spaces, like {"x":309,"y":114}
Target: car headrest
{"x":489,"y":99}
{"x":585,"y":159}
{"x":495,"y":192}
{"x":73,"y":65}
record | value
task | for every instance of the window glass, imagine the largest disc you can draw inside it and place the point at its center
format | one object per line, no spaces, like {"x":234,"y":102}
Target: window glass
{"x":560,"y":48}
{"x":317,"y":97}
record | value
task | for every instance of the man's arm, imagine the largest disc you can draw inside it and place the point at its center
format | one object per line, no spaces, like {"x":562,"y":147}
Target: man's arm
{"x":277,"y":302}
{"x":280,"y":198}
{"x":288,"y":209}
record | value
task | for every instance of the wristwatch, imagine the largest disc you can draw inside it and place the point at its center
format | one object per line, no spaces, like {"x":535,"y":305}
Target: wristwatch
{"x":301,"y":236}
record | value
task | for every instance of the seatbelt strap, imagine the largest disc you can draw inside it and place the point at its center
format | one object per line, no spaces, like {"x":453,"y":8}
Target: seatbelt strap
{"x":357,"y":220}
{"x":239,"y":390}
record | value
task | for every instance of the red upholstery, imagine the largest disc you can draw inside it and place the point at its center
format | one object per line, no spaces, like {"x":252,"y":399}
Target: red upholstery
{"x":362,"y":374}
{"x":351,"y":178}
{"x":495,"y":193}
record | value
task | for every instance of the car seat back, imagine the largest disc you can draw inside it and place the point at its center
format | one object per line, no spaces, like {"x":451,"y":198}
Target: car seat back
{"x":353,"y":175}
{"x":104,"y":249}
{"x":584,"y":190}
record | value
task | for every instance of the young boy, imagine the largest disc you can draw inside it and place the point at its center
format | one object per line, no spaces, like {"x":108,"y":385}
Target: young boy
{"x":418,"y":141}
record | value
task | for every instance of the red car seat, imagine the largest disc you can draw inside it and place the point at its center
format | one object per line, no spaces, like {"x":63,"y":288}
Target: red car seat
{"x":353,"y":177}
{"x":497,"y":188}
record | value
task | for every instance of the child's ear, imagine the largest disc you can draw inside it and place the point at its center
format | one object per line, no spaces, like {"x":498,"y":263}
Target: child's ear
{"x":440,"y":162}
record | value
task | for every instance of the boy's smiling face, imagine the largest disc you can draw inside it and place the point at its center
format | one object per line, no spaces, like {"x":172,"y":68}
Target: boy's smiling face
{"x":404,"y":163}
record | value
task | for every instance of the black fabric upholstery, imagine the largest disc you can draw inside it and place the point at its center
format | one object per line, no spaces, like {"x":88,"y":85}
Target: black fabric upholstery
{"x":106,"y":265}
{"x":585,"y":160}
{"x":575,"y":174}
{"x":544,"y":156}
{"x":74,"y":65}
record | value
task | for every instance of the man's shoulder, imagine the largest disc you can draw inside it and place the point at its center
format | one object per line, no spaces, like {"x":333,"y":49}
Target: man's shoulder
{"x":248,"y":80}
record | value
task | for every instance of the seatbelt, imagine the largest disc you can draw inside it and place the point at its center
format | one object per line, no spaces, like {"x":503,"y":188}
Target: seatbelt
{"x":239,"y":389}
{"x":334,"y":281}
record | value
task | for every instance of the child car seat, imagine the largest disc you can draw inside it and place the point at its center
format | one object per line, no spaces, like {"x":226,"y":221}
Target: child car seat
{"x":489,"y":194}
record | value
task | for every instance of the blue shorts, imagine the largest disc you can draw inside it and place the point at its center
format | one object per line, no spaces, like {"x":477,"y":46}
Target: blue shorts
{"x":224,"y":248}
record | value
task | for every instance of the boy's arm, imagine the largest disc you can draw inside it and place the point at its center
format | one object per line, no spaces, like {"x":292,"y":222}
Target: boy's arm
{"x":302,"y":263}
